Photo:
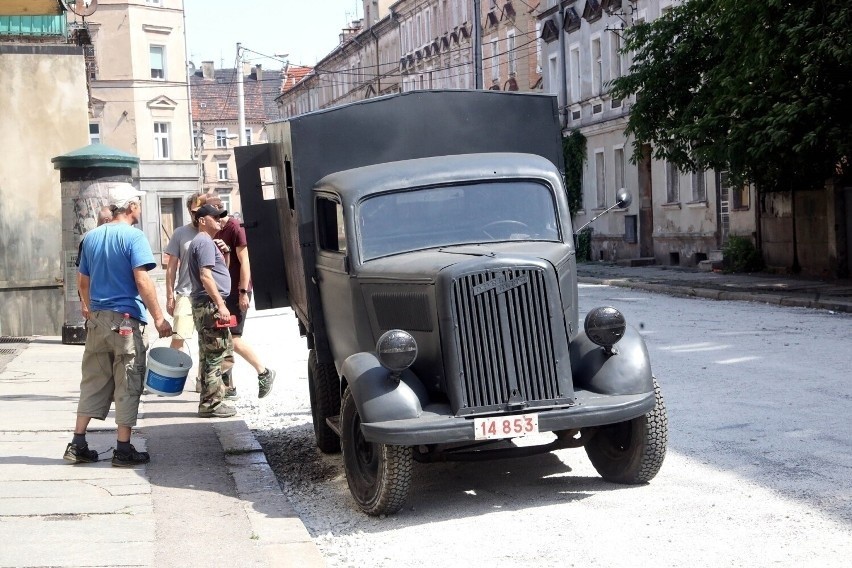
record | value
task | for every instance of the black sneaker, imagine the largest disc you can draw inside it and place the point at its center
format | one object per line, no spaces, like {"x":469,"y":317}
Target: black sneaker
{"x":231,"y":393}
{"x":221,"y":410}
{"x":80,"y":454}
{"x":129,"y":458}
{"x":265,"y":380}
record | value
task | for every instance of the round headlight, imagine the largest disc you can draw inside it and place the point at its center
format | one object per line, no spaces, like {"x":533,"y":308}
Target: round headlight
{"x":605,"y":326}
{"x":397,"y":350}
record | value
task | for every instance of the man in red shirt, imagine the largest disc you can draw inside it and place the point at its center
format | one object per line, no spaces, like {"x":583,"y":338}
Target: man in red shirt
{"x":233,"y":236}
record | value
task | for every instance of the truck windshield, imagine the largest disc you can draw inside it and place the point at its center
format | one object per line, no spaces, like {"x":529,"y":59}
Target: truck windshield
{"x":393,"y":223}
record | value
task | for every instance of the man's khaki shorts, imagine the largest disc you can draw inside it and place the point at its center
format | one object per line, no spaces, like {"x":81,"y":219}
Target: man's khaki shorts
{"x":184,"y":325}
{"x":113,"y":368}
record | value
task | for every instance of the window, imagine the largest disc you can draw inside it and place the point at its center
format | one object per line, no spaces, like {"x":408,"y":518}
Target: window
{"x":618,"y":164}
{"x":495,"y":61}
{"x":554,"y":87}
{"x":221,"y":137}
{"x":330,"y":225}
{"x":615,"y":69}
{"x":223,"y":171}
{"x":538,"y":47}
{"x":699,"y":186}
{"x":672,"y":183}
{"x":510,"y":50}
{"x":162,"y":150}
{"x":597,"y":66}
{"x":158,"y":70}
{"x":248,"y":136}
{"x":94,"y":133}
{"x":154,"y":2}
{"x":225,"y":196}
{"x":600,"y":178}
{"x":575,"y":73}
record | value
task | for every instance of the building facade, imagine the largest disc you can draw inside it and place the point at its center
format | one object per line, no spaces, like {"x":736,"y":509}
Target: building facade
{"x":676,"y":218}
{"x":511,"y":46}
{"x":215,"y":110}
{"x":44,"y":104}
{"x":136,"y":68}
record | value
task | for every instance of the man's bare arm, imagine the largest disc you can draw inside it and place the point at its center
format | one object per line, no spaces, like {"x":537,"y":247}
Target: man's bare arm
{"x":210,"y":287}
{"x":149,"y":298}
{"x":171,"y":273}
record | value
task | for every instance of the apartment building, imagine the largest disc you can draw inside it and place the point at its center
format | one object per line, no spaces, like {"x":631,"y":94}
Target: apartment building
{"x":139,"y":101}
{"x":43,"y":114}
{"x":677,"y":218}
{"x":511,"y":46}
{"x":215,"y":110}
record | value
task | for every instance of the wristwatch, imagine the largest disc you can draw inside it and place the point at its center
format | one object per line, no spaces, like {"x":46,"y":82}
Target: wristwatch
{"x":243,"y":291}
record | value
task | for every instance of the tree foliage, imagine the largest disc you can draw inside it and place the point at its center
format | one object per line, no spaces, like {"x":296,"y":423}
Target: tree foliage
{"x":763,"y":89}
{"x":574,"y":152}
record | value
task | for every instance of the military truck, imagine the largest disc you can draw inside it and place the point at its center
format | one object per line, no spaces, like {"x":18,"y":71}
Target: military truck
{"x":424,"y":243}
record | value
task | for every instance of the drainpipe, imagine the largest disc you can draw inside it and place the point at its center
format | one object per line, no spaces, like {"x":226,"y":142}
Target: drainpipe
{"x":188,"y":90}
{"x":563,"y":75}
{"x":477,"y":43}
{"x":378,"y":75}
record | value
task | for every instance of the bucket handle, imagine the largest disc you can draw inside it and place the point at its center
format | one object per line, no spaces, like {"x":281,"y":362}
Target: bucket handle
{"x":185,"y":343}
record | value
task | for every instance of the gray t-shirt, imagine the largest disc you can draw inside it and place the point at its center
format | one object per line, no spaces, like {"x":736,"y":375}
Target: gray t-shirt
{"x":179,"y":246}
{"x":204,"y":252}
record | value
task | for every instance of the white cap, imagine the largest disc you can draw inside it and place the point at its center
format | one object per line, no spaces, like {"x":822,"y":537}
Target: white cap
{"x":121,"y":194}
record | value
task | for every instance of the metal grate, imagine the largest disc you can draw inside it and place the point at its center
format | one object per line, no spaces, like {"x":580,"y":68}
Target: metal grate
{"x":8,"y":351}
{"x":505,"y":340}
{"x":7,"y":339}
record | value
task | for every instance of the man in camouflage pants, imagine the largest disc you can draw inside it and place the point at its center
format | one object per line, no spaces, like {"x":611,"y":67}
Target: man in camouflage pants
{"x":211,"y":284}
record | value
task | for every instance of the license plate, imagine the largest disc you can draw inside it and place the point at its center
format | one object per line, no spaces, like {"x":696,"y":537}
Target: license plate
{"x":497,"y":427}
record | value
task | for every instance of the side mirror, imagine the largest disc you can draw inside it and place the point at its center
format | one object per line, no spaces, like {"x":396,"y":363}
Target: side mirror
{"x":623,"y":198}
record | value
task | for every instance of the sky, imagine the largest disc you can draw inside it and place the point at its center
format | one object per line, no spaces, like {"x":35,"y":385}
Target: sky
{"x":307,"y":30}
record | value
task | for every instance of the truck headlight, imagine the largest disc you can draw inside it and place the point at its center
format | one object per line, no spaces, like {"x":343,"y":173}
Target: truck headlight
{"x":397,"y":351}
{"x":605,"y":327}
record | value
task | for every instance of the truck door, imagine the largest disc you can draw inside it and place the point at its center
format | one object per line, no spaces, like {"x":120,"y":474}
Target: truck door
{"x":263,"y":229}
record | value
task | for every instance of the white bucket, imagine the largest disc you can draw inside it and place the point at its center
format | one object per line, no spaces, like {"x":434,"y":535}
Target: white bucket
{"x":167,"y":371}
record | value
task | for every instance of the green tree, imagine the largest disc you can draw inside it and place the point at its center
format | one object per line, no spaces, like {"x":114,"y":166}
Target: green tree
{"x":763,"y":89}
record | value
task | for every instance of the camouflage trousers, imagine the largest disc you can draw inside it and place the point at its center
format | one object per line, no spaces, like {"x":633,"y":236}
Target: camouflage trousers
{"x":215,"y":354}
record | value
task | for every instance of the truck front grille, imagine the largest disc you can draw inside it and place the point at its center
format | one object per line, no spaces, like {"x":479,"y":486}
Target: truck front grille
{"x":505,"y":341}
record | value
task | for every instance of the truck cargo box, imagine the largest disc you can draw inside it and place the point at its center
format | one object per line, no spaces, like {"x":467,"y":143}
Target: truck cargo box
{"x":303,"y":149}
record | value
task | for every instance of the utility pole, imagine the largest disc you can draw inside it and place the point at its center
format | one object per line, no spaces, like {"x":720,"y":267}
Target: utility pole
{"x":241,"y":103}
{"x":477,"y":43}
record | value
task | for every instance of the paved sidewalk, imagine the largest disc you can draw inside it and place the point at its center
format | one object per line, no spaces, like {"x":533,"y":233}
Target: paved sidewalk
{"x":208,"y":497}
{"x":834,"y":295}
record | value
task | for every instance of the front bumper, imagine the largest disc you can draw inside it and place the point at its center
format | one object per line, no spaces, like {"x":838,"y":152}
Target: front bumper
{"x":437,"y":426}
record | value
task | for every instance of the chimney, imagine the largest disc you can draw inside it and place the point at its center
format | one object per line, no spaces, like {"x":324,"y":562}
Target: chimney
{"x":207,"y":70}
{"x":258,"y":72}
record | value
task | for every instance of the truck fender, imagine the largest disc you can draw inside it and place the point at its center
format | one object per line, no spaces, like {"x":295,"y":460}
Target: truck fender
{"x":378,"y":397}
{"x":628,"y":371}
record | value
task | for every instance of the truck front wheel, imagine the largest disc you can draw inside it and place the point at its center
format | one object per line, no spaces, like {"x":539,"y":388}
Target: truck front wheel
{"x":378,"y":475}
{"x":632,"y":451}
{"x":324,"y":390}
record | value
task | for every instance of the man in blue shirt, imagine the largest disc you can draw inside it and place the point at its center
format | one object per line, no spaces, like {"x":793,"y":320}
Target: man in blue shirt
{"x":113,"y":281}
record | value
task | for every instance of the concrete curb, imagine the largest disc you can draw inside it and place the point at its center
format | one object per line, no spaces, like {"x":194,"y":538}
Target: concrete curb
{"x":277,"y":527}
{"x":685,"y":290}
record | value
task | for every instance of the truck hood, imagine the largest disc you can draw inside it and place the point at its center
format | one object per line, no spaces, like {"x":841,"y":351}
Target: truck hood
{"x":424,"y":266}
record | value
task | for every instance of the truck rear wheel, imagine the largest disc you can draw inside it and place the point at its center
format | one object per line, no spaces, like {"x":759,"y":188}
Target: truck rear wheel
{"x":632,"y":451}
{"x":378,"y":475}
{"x":324,"y":389}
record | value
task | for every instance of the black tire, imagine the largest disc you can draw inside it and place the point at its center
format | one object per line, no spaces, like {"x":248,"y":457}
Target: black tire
{"x":632,"y":452}
{"x":378,"y":475}
{"x":324,"y":388}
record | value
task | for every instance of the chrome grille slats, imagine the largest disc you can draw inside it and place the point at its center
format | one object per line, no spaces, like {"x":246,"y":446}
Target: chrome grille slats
{"x":504,"y":337}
